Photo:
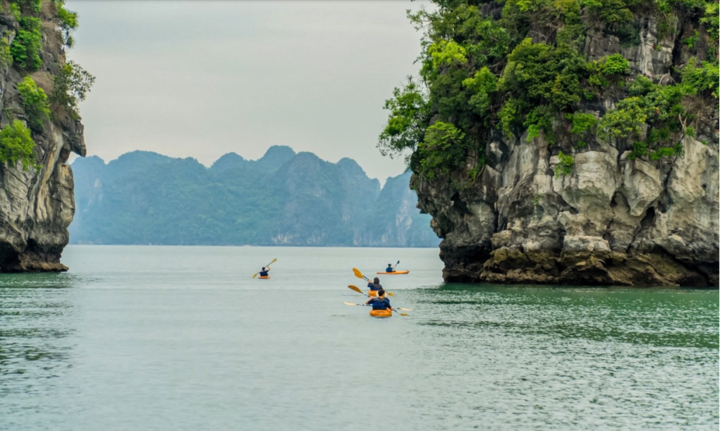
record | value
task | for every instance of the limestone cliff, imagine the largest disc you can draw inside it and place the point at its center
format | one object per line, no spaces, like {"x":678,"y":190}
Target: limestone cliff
{"x":615,"y":213}
{"x":37,"y":203}
{"x":395,"y":220}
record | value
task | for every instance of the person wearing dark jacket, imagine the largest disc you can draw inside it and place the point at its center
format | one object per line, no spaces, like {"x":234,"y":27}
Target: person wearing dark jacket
{"x":380,"y":302}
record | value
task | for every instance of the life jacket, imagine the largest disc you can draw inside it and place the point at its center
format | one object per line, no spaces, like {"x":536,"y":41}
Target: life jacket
{"x":380,"y":303}
{"x":374,"y":286}
{"x":263,"y":273}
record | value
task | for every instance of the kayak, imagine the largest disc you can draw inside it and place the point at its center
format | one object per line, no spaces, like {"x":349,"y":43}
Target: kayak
{"x":381,"y":313}
{"x":372,"y":293}
{"x":264,"y":277}
{"x":394,"y":273}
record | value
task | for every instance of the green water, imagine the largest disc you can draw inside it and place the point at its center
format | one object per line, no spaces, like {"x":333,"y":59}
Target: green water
{"x":181,"y":338}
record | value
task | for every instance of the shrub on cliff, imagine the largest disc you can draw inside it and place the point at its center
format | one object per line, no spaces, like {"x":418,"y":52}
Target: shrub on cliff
{"x":409,"y":117}
{"x":6,"y":58}
{"x":35,"y":103}
{"x":29,"y":5}
{"x":441,"y":148}
{"x":27,"y":45}
{"x":565,"y":166}
{"x":16,"y":144}
{"x":657,"y":117}
{"x":71,"y":86}
{"x":68,"y":22}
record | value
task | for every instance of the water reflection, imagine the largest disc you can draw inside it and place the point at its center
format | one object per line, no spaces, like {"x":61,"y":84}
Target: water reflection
{"x":656,"y":317}
{"x":41,"y":280}
{"x":35,"y":323}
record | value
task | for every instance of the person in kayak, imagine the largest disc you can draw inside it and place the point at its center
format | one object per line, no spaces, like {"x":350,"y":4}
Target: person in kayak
{"x":380,"y":302}
{"x":390,"y":268}
{"x":375,"y":285}
{"x":264,"y":272}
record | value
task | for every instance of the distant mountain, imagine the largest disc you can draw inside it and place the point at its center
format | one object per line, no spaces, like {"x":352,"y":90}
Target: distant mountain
{"x":283,"y":198}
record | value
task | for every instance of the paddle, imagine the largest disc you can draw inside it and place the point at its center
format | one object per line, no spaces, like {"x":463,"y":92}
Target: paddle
{"x":357,"y":289}
{"x":398,"y":263}
{"x":365,"y":305}
{"x":359,"y":274}
{"x":267,"y":266}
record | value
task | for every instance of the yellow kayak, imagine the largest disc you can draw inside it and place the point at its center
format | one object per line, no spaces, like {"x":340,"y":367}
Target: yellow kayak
{"x":264,"y":277}
{"x":381,"y":313}
{"x":394,"y":273}
{"x":372,"y":293}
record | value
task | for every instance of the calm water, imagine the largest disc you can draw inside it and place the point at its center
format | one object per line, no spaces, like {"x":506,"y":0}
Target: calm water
{"x":181,"y":338}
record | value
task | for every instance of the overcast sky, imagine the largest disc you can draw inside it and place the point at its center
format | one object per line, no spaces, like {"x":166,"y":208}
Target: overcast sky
{"x":204,"y":78}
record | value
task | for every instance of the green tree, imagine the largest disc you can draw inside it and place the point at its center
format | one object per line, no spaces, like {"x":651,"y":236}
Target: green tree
{"x":27,"y":44}
{"x":16,"y":144}
{"x":35,"y":103}
{"x":565,"y":167}
{"x":409,"y":117}
{"x":68,"y":22}
{"x":71,"y":86}
{"x":441,"y":151}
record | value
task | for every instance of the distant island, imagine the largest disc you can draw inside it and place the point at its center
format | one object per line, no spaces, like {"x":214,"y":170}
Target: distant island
{"x":284,"y":198}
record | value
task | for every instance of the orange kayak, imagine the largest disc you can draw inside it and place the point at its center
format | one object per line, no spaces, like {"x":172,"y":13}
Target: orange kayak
{"x":372,"y":293}
{"x":381,"y":313}
{"x":264,"y":277}
{"x":394,"y":273}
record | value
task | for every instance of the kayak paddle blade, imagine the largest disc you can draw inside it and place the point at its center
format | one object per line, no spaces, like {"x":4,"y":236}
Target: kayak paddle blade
{"x":357,"y":273}
{"x":356,"y":289}
{"x":255,"y":275}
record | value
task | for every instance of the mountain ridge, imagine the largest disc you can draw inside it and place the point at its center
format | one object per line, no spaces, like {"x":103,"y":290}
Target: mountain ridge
{"x":283,"y":198}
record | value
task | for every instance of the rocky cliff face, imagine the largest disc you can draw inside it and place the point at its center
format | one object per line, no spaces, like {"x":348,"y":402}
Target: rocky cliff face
{"x":612,"y":220}
{"x":37,"y":204}
{"x":395,"y":220}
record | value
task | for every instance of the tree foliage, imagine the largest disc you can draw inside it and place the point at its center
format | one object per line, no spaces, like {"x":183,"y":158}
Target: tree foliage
{"x":524,"y":71}
{"x":16,"y":144}
{"x":71,"y":86}
{"x":35,"y":103}
{"x":27,"y":45}
{"x":409,"y":116}
{"x":565,"y":167}
{"x":440,"y":150}
{"x":68,"y":22}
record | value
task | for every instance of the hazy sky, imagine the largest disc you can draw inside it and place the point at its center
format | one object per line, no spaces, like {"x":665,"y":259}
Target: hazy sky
{"x":201,"y":79}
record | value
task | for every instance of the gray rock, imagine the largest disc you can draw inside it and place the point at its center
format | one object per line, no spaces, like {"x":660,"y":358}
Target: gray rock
{"x":612,"y":221}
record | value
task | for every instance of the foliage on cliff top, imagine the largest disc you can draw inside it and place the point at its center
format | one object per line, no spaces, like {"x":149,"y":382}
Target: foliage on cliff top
{"x":520,"y":67}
